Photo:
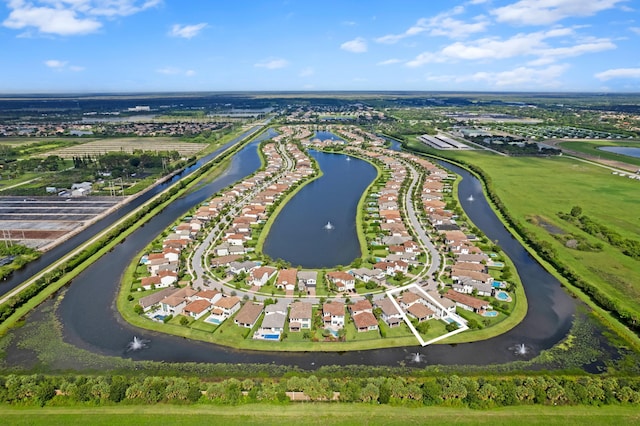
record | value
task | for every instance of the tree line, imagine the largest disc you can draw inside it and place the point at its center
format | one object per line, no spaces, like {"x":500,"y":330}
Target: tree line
{"x":447,"y":391}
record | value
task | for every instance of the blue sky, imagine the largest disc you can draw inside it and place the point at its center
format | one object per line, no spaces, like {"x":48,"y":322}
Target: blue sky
{"x":210,"y":45}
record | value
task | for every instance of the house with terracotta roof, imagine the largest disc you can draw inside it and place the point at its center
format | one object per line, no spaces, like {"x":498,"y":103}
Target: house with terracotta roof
{"x":167,"y":277}
{"x":333,"y":314}
{"x":261,"y":275}
{"x":149,"y":283}
{"x":362,"y":305}
{"x":365,"y":321}
{"x":149,"y":302}
{"x":467,"y":302}
{"x":342,"y":280}
{"x":175,"y":302}
{"x":248,"y":315}
{"x":225,"y":307}
{"x":197,"y":308}
{"x":287,"y":279}
{"x":300,"y":316}
{"x":210,"y":296}
{"x":420,"y":312}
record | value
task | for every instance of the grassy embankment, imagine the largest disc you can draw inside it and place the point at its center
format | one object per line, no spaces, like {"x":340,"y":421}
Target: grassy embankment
{"x":590,"y":147}
{"x":70,"y":275}
{"x":318,"y":413}
{"x":536,"y":189}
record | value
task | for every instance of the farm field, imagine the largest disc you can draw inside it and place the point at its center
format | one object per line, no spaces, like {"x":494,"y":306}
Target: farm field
{"x":535,"y":190}
{"x":128,"y":145}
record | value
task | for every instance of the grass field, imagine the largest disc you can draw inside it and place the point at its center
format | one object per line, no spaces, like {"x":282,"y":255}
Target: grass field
{"x":538,"y":188}
{"x":317,"y":414}
{"x":591,"y":147}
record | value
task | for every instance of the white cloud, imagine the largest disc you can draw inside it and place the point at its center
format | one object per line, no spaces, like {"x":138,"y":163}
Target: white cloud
{"x":635,"y":30}
{"x":272,"y":64}
{"x":69,"y":17}
{"x":357,"y":45}
{"x":544,"y":12}
{"x":425,"y":58}
{"x":440,"y":25}
{"x":524,"y":78}
{"x":186,"y":31}
{"x":59,"y":65}
{"x":618,"y":73}
{"x":176,"y":71}
{"x":307,"y":72}
{"x":524,"y":44}
{"x":55,"y":63}
{"x":389,"y":62}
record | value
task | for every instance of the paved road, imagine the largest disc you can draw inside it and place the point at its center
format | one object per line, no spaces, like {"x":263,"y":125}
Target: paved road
{"x":414,"y":222}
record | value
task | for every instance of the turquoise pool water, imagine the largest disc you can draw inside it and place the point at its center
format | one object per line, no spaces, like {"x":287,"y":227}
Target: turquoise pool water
{"x":503,"y":295}
{"x":212,"y":320}
{"x":490,"y":314}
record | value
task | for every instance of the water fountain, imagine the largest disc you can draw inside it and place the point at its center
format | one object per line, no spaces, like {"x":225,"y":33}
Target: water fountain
{"x":520,"y":349}
{"x":416,"y":357}
{"x":329,"y":226}
{"x":136,"y":344}
{"x":470,"y":198}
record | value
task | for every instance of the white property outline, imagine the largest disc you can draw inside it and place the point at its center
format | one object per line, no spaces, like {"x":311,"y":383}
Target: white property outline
{"x":462,"y":324}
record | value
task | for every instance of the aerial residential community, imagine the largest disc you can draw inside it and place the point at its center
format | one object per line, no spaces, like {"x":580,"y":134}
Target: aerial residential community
{"x":336,"y":213}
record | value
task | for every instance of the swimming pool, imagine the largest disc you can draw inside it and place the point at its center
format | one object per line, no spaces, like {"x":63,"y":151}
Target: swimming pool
{"x":271,"y":336}
{"x":490,"y":314}
{"x":213,"y":320}
{"x":503,"y":296}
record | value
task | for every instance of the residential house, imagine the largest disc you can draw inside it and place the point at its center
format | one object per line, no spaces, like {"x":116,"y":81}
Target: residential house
{"x":225,"y":307}
{"x":342,"y":280}
{"x":261,"y":275}
{"x":420,"y":312}
{"x":248,"y":315}
{"x":148,"y":302}
{"x":333,"y":314}
{"x":197,"y":308}
{"x":300,"y":316}
{"x":287,"y":279}
{"x":467,"y":302}
{"x":390,"y":314}
{"x":307,"y":280}
{"x":365,"y":321}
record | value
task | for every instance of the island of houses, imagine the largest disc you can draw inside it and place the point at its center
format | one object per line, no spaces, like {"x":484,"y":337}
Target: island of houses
{"x":206,"y":273}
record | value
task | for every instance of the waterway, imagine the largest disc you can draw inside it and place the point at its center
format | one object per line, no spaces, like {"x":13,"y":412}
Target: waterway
{"x":629,"y":151}
{"x":51,"y":256}
{"x":317,"y":227}
{"x":90,"y":320}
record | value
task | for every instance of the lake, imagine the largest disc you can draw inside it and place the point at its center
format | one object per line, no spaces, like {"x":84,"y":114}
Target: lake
{"x":299,"y":233}
{"x":629,"y":151}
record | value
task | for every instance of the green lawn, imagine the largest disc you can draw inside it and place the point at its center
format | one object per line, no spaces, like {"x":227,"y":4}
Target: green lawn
{"x":317,"y":414}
